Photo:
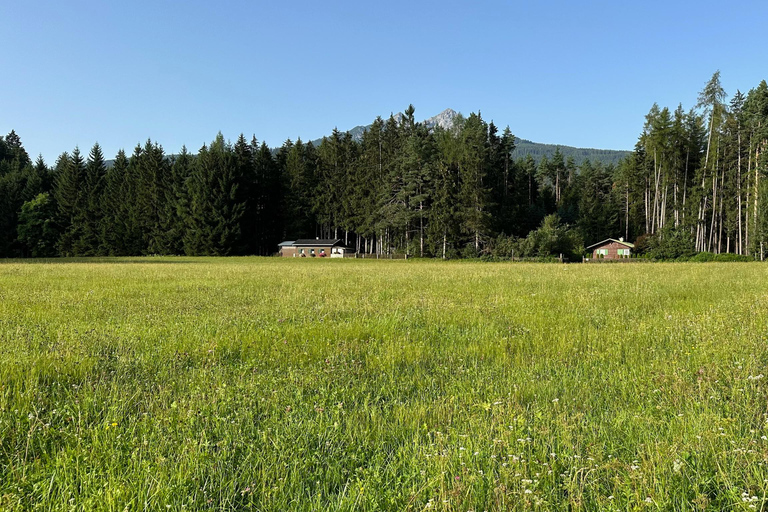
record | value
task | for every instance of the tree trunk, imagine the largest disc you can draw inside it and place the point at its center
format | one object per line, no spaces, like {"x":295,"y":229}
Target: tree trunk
{"x":756,"y":194}
{"x":445,"y":241}
{"x":739,"y":246}
{"x":421,"y":229}
{"x":626,"y":214}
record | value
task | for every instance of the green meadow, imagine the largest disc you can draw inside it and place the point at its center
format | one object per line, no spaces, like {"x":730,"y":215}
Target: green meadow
{"x":268,"y":384}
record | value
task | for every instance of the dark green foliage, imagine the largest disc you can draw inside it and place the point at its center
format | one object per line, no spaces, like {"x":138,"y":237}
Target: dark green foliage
{"x":69,"y":192}
{"x":19,"y":182}
{"x":537,"y":151}
{"x":115,"y":206}
{"x":553,"y":239}
{"x":38,"y":231}
{"x":215,"y":210}
{"x":266,"y":203}
{"x":597,"y":212}
{"x":89,"y":217}
{"x":298,"y":184}
{"x":669,"y":243}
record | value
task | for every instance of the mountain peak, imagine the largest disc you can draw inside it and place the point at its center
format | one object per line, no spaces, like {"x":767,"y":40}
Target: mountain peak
{"x":444,"y":119}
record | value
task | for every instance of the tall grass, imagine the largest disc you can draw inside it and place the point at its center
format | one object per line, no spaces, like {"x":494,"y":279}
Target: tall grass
{"x":266,"y":384}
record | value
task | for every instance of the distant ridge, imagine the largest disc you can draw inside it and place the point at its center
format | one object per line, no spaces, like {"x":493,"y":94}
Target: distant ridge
{"x":538,"y":150}
{"x":445,"y":119}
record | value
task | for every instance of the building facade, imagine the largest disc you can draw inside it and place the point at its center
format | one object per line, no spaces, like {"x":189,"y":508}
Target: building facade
{"x":611,"y":249}
{"x":313,"y":248}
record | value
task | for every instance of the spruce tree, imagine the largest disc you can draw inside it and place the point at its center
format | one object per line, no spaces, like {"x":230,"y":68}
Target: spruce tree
{"x":114,"y":207}
{"x":69,"y":186}
{"x":215,"y":212}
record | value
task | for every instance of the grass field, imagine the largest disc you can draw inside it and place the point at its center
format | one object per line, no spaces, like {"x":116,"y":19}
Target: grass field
{"x":267,"y":384}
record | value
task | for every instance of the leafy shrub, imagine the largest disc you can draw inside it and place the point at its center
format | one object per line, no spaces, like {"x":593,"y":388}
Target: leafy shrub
{"x":668,"y":244}
{"x":553,"y":238}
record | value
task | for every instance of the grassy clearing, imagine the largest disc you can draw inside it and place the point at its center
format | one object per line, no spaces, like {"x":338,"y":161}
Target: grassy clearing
{"x":365,"y":385}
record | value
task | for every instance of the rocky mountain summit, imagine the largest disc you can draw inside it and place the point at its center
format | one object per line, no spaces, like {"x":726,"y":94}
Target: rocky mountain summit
{"x":444,"y":119}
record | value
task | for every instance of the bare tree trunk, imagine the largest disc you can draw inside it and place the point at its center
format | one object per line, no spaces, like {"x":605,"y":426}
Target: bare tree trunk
{"x":714,"y":208}
{"x":421,"y":229}
{"x":406,"y":240}
{"x":626,"y":214}
{"x":685,"y":180}
{"x":656,"y":175}
{"x":700,"y":229}
{"x":647,"y":212}
{"x":720,"y":214}
{"x":715,"y":191}
{"x":747,"y":199}
{"x":445,"y":241}
{"x":677,"y":211}
{"x":756,"y":194}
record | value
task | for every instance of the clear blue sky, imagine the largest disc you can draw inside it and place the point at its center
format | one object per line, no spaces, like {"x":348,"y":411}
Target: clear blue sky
{"x":572,"y":73}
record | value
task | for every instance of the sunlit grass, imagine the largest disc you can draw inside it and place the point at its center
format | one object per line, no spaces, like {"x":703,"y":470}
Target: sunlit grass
{"x":174,"y":383}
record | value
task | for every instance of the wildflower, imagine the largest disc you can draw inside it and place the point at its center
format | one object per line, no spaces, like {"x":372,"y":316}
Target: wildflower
{"x":648,"y":500}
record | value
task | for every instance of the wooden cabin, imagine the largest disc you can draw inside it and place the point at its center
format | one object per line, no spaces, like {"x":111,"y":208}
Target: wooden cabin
{"x":611,"y":249}
{"x":313,"y":248}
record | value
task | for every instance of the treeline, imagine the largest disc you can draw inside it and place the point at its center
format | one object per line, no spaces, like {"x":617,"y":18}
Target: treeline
{"x":696,"y":180}
{"x":693,"y":183}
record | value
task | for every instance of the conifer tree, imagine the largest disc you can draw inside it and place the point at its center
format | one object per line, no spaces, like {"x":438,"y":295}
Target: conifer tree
{"x":69,"y":186}
{"x":89,"y":218}
{"x":215,"y":212}
{"x":114,"y":208}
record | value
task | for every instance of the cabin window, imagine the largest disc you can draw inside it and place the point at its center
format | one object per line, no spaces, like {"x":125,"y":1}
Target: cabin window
{"x":602,"y":253}
{"x":301,"y":251}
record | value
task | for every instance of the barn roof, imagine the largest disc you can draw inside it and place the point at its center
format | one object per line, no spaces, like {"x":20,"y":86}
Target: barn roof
{"x":609,"y":240}
{"x":287,"y":243}
{"x":318,"y":242}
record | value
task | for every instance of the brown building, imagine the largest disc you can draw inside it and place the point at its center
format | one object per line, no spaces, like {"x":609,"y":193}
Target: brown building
{"x":313,"y":248}
{"x":286,"y":249}
{"x":611,"y":249}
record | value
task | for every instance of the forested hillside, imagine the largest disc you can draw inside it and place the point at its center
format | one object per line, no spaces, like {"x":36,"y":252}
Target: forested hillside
{"x":538,"y":151}
{"x":695,"y":182}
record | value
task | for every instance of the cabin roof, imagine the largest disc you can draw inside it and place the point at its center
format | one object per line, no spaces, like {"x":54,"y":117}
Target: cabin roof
{"x":318,"y":242}
{"x":610,"y":240}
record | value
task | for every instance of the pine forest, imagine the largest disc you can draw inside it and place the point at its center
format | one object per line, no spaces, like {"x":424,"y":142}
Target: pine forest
{"x":695,"y":183}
